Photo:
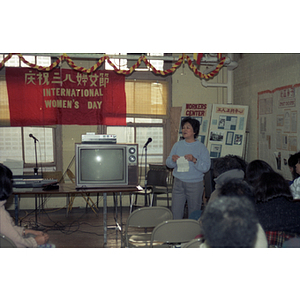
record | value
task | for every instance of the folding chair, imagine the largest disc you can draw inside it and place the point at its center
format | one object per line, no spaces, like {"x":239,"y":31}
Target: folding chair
{"x":141,"y":220}
{"x":5,"y":242}
{"x":157,"y":184}
{"x":194,"y":243}
{"x":174,"y":232}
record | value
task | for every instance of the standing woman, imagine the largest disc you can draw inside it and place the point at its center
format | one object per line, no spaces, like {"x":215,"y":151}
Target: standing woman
{"x":188,"y":181}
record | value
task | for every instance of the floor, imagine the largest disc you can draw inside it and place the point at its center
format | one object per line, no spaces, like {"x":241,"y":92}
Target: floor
{"x":81,"y":228}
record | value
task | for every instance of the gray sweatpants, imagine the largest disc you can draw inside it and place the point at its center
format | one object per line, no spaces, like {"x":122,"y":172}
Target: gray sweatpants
{"x":192,"y":192}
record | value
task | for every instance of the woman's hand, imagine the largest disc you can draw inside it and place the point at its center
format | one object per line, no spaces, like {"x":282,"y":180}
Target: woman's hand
{"x":42,"y":239}
{"x":40,"y":236}
{"x":175,"y":157}
{"x":190,"y":157}
{"x":34,"y":232}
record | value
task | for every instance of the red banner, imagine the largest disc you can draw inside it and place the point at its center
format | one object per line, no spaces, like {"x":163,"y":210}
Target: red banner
{"x":65,"y":97}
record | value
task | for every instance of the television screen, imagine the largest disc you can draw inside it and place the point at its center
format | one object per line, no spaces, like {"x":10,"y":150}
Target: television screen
{"x":103,"y":165}
{"x":100,"y":165}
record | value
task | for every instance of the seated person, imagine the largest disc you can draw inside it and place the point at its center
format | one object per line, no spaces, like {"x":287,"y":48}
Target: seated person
{"x":274,"y":204}
{"x":254,"y":170}
{"x":225,"y":169}
{"x":292,"y":161}
{"x":16,"y":233}
{"x":240,"y":189}
{"x":295,"y":186}
{"x":229,"y":222}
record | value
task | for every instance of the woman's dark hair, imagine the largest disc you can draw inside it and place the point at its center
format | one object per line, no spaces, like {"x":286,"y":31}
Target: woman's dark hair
{"x":195,"y":124}
{"x":237,"y":187}
{"x":292,"y":161}
{"x":272,"y":185}
{"x":254,"y":170}
{"x":5,"y":182}
{"x":227,"y":163}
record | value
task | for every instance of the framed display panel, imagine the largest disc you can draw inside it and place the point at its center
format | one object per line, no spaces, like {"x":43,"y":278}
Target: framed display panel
{"x":227,"y":130}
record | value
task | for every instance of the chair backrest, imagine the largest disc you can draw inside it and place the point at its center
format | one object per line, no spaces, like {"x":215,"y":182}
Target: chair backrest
{"x":194,"y":243}
{"x":157,"y":178}
{"x":147,"y":217}
{"x":170,"y":178}
{"x":157,"y":167}
{"x":5,"y":242}
{"x":175,"y":231}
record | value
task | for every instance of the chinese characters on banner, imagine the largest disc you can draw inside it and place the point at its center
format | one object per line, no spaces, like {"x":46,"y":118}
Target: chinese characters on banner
{"x":65,"y":97}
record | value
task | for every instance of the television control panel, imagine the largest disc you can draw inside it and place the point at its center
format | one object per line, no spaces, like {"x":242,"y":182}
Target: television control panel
{"x":132,"y":155}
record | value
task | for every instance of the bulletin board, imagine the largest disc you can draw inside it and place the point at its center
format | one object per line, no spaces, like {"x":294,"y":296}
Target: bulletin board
{"x":278,"y":114}
{"x":222,"y":127}
{"x":227,"y":132}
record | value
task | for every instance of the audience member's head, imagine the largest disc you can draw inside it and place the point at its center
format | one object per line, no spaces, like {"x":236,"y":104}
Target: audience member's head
{"x":242,"y":162}
{"x":230,"y":222}
{"x":270,"y":186}
{"x":236,"y":187}
{"x":6,"y":187}
{"x":227,"y":163}
{"x":254,"y":170}
{"x":194,"y":122}
{"x":292,"y":161}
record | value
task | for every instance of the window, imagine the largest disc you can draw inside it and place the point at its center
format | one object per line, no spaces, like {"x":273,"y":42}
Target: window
{"x":124,"y":64}
{"x":15,"y":143}
{"x":119,"y":63}
{"x":146,"y":118}
{"x":147,"y":110}
{"x":138,"y":130}
{"x":15,"y":61}
{"x":146,"y":97}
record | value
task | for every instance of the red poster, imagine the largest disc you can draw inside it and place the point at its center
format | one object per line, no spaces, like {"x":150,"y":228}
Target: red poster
{"x":65,"y":97}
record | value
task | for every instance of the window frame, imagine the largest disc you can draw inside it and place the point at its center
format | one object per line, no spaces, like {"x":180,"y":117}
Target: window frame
{"x":52,"y":164}
{"x":150,"y":76}
{"x":167,"y":124}
{"x":135,"y":125}
{"x":56,"y":130}
{"x":44,"y":164}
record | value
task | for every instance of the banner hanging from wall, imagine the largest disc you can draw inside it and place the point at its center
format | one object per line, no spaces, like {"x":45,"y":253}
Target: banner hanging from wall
{"x":65,"y":97}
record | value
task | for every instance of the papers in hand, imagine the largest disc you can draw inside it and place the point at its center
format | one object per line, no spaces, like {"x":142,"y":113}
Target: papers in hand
{"x":182,"y":164}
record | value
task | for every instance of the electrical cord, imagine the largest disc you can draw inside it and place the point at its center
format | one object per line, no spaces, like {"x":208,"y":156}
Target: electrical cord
{"x":67,"y":228}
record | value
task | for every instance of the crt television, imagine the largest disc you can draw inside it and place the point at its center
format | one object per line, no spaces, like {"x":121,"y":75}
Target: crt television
{"x":106,"y":165}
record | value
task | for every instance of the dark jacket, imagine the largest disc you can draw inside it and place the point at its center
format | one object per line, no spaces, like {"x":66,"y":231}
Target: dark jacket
{"x":279,"y":214}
